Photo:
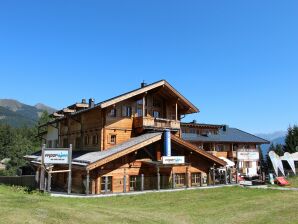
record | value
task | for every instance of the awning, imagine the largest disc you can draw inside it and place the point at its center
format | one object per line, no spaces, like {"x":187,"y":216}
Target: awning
{"x":229,"y":162}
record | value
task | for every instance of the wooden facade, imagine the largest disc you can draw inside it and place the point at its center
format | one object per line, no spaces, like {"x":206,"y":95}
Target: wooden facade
{"x":104,"y":126}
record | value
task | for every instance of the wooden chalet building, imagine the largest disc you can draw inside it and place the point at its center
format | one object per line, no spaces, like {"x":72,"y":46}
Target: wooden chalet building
{"x":223,"y":141}
{"x":119,"y":144}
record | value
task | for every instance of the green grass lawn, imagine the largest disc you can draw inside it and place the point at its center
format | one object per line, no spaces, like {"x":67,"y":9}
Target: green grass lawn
{"x":224,"y":205}
{"x":293,"y":181}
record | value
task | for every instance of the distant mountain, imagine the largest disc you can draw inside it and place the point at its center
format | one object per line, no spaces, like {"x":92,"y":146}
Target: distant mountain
{"x":18,"y":114}
{"x":274,"y":138}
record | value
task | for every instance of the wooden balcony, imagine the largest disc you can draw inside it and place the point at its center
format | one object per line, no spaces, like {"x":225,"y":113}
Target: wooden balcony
{"x":156,"y":123}
{"x":219,"y":154}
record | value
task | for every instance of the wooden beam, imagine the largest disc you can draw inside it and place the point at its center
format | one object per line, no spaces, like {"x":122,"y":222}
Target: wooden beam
{"x":176,"y":111}
{"x":59,"y":171}
{"x":82,"y":105}
{"x":67,"y":110}
{"x":57,"y":115}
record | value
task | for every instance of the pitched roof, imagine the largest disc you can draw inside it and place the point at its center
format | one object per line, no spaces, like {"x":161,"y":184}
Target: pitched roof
{"x":93,"y":157}
{"x":139,"y":91}
{"x":230,"y":135}
{"x":117,"y":99}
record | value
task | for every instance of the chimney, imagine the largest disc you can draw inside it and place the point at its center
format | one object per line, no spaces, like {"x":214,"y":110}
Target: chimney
{"x":225,"y":127}
{"x":83,"y":101}
{"x":143,"y":84}
{"x":91,"y":103}
{"x":194,"y":121}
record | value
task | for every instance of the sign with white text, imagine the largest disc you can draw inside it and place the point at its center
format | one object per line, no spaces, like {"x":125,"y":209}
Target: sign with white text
{"x":248,"y":155}
{"x":59,"y":156}
{"x":173,"y":160}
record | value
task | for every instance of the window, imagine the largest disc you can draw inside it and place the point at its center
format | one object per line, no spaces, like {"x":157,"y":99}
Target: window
{"x":78,"y":142}
{"x":140,"y":102}
{"x":65,"y":143}
{"x":106,"y":186}
{"x":126,"y":111}
{"x":196,"y":179}
{"x":133,"y":183}
{"x":220,"y":148}
{"x":180,"y":179}
{"x":192,"y":131}
{"x":247,"y":164}
{"x":139,"y":112}
{"x":56,"y":143}
{"x":86,"y":140}
{"x":155,"y":114}
{"x":49,"y":144}
{"x":113,"y":113}
{"x":94,"y":139}
{"x":112,"y":139}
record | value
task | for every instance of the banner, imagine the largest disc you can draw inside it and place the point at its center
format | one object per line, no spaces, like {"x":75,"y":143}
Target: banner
{"x":248,"y":155}
{"x":288,"y":157}
{"x":276,"y":162}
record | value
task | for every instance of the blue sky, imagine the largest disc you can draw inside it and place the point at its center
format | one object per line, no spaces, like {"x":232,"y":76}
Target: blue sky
{"x":236,"y":60}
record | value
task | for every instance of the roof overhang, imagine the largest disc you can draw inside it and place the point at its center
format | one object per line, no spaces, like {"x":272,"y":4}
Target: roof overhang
{"x":145,"y":89}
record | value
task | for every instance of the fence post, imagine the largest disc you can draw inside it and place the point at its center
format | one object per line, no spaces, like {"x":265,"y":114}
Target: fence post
{"x":226,"y":176}
{"x":213,"y":176}
{"x":124,"y":183}
{"x":158,"y":179}
{"x":49,"y":179}
{"x":174,"y":180}
{"x":201,"y":179}
{"x":87,"y":182}
{"x":69,"y":167}
{"x":142,"y":182}
{"x":187,"y":177}
{"x":106,"y":184}
{"x":45,"y":184}
{"x":230,"y":175}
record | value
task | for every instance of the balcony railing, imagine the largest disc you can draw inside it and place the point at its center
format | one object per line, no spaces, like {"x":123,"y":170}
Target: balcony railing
{"x":219,"y":154}
{"x":156,"y":123}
